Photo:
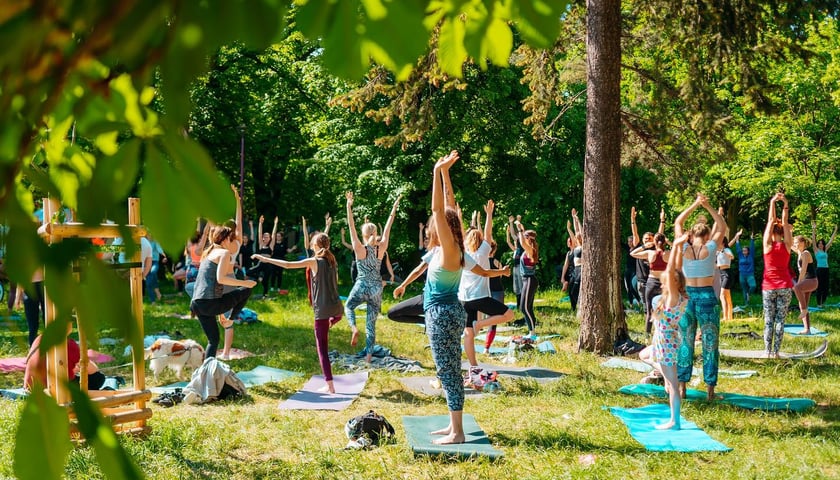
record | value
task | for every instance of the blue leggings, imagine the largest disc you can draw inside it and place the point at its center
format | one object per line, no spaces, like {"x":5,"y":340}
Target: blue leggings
{"x":444,"y":325}
{"x":703,"y":309}
{"x":370,"y":293}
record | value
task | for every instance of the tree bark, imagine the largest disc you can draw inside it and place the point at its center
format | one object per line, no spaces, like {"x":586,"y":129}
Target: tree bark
{"x":600,"y":308}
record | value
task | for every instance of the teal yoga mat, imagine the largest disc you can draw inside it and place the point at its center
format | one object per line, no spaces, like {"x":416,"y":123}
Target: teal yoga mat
{"x":641,"y":423}
{"x":642,"y":367}
{"x":796,"y":330}
{"x":14,"y":393}
{"x":748,"y":402}
{"x":476,"y":444}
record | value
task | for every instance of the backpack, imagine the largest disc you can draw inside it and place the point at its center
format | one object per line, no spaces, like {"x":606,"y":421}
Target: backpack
{"x":368,"y":429}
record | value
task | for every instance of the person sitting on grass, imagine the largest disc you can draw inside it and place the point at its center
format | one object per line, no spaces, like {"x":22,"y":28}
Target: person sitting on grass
{"x":667,"y":310}
{"x":322,"y":281}
{"x":35,"y":375}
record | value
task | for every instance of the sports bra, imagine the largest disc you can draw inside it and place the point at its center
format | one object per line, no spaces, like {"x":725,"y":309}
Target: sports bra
{"x":658,"y":264}
{"x":705,"y":267}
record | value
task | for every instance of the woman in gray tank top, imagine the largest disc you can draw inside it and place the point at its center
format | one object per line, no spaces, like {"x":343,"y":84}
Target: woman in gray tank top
{"x":322,"y":279}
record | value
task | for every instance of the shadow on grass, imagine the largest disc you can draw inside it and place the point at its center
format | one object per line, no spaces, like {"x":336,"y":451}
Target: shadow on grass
{"x":560,"y":439}
{"x":402,"y":396}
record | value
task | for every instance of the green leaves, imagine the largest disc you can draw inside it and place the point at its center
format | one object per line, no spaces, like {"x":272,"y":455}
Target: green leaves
{"x":42,"y":442}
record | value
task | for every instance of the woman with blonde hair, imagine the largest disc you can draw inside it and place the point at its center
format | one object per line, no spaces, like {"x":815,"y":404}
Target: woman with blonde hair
{"x":368,"y":286}
{"x":807,"y":282}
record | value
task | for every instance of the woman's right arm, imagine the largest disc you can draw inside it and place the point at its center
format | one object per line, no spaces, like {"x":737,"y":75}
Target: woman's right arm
{"x":274,"y":233}
{"x":358,"y":248}
{"x":224,"y":279}
{"x":451,"y":251}
{"x":418,"y":270}
{"x":633,"y":228}
{"x":767,"y":241}
{"x":260,"y":230}
{"x":679,"y":223}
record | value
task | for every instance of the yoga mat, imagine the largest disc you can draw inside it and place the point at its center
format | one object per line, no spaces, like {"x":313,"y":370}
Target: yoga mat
{"x":797,"y":331}
{"x":541,"y":375}
{"x":748,"y":402}
{"x":18,"y":364}
{"x":505,"y":340}
{"x":424,"y":385}
{"x":347,"y":388}
{"x":760,"y":354}
{"x":641,"y":423}
{"x":256,"y":376}
{"x":14,"y":393}
{"x":476,"y":443}
{"x":546,"y":347}
{"x":238,"y":354}
{"x":640,"y":366}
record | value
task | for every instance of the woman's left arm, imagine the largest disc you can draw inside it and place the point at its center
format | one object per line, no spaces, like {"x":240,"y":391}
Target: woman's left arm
{"x":386,"y":232}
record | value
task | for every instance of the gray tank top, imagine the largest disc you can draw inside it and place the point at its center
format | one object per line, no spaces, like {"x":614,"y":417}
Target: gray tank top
{"x":206,"y":286}
{"x":323,"y":291}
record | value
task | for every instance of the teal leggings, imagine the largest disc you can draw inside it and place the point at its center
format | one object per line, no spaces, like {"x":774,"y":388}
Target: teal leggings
{"x":702,"y":310}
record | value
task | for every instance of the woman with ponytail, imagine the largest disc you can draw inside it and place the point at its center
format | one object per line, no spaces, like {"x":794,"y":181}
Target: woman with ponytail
{"x":528,"y":268}
{"x":322,"y":282}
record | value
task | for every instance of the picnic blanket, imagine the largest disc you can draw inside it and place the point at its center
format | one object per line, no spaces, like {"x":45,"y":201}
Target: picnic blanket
{"x":642,"y":421}
{"x":347,"y":388}
{"x":388,"y":362}
{"x":748,"y":402}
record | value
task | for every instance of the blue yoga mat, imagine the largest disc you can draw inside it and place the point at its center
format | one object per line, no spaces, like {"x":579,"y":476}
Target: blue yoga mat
{"x":797,"y":331}
{"x":14,"y":393}
{"x":743,"y":401}
{"x":642,"y":425}
{"x":476,"y":443}
{"x":256,"y":376}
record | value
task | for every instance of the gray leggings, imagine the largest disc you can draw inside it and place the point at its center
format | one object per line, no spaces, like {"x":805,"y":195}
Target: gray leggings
{"x":776,"y":304}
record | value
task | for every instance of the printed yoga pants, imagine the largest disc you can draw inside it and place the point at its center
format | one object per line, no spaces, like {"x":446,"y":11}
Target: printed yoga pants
{"x":776,"y":304}
{"x":207,"y":308}
{"x":370,"y":293}
{"x":444,"y":325}
{"x":703,"y":310}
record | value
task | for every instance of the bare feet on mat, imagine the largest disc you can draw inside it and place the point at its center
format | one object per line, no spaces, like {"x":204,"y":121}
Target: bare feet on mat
{"x":329,"y":387}
{"x":710,"y":394}
{"x":443,"y":431}
{"x":668,"y":426}
{"x":449,"y":439}
{"x":354,"y":337}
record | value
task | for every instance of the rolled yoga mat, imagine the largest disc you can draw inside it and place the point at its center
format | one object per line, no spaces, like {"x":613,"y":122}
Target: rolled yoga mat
{"x":476,"y":444}
{"x":748,"y":402}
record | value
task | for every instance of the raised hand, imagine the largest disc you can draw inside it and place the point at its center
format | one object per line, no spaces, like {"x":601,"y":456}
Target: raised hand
{"x":276,"y":219}
{"x":662,"y":214}
{"x":446,"y":162}
{"x":633,"y":214}
{"x":349,"y":197}
{"x":488,"y":209}
{"x":262,"y":218}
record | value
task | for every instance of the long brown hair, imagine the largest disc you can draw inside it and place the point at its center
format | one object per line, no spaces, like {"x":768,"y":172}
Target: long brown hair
{"x":530,"y":238}
{"x":454,"y":222}
{"x":218,"y":234}
{"x":321,"y":242}
{"x":680,"y":289}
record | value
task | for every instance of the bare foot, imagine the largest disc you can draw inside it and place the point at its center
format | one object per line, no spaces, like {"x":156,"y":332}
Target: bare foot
{"x":776,"y":355}
{"x":668,"y":426}
{"x":328,"y":388}
{"x":449,"y":439}
{"x":710,"y":394}
{"x":354,"y":337}
{"x":443,"y":431}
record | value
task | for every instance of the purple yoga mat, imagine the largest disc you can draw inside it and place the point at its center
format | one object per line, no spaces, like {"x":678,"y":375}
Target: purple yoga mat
{"x":18,"y":364}
{"x":347,"y":388}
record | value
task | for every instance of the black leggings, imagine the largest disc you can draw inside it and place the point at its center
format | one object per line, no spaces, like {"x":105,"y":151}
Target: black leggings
{"x":207,"y":308}
{"x":408,"y":311}
{"x":33,"y":308}
{"x":632,"y":293}
{"x":653,"y":287}
{"x":822,"y":287}
{"x":529,"y":290}
{"x":574,"y":292}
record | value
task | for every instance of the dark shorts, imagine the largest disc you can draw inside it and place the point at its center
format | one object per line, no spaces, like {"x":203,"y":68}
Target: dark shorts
{"x":486,"y":305}
{"x":726,"y":279}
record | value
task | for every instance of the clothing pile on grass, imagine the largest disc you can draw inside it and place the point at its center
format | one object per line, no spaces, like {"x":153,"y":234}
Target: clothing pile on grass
{"x":381,"y":358}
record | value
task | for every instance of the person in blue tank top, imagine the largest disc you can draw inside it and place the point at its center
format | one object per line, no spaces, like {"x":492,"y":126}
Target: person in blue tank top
{"x":445,"y":315}
{"x":821,"y":257}
{"x":746,"y":266}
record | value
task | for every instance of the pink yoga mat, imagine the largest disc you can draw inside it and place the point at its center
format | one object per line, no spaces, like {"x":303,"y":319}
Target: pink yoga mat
{"x":18,"y":364}
{"x":347,"y":388}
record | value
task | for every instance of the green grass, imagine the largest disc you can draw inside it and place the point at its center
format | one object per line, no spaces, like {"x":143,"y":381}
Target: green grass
{"x":544,"y":430}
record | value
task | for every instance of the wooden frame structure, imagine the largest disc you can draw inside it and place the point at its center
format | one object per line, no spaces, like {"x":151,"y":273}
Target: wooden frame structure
{"x":126,"y":410}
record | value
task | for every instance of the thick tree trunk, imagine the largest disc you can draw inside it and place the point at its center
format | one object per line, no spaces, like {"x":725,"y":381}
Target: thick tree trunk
{"x":600,"y":308}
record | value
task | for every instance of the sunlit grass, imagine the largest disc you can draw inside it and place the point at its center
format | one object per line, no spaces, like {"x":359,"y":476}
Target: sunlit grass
{"x":545,"y":430}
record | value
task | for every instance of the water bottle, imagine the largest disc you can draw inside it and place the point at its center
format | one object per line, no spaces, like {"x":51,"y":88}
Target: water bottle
{"x":511,"y":353}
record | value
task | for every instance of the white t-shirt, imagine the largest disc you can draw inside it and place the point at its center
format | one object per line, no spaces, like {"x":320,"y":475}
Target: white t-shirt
{"x":474,"y":286}
{"x":145,"y":250}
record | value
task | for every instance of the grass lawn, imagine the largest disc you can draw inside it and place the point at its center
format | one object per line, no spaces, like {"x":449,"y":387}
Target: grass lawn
{"x":554,"y":430}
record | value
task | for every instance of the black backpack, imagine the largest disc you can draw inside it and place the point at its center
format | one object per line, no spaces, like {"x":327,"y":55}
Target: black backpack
{"x":372,"y":426}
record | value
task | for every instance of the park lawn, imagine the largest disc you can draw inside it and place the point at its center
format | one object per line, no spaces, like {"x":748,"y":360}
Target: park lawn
{"x":552,"y":430}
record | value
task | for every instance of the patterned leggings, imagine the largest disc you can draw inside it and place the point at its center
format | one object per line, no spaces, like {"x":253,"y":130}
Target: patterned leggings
{"x":776,"y":304}
{"x":370,"y":293}
{"x":444,"y":325}
{"x":703,"y":309}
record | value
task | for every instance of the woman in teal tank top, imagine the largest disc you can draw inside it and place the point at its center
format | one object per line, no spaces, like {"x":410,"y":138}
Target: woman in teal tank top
{"x":821,"y":257}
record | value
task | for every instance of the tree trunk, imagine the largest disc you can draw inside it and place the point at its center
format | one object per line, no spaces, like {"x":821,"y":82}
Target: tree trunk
{"x":600,"y":308}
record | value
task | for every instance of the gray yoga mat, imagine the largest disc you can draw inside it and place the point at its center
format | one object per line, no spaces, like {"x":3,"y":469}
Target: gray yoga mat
{"x":347,"y":388}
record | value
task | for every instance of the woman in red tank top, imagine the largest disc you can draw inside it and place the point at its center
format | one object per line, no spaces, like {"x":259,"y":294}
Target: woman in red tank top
{"x":777,"y":285}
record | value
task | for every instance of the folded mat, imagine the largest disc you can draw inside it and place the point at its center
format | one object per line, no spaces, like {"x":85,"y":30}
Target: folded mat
{"x":640,"y":366}
{"x":256,"y":376}
{"x":18,"y":364}
{"x":642,"y":423}
{"x":797,"y":331}
{"x":743,"y":401}
{"x":476,"y":443}
{"x":347,"y":388}
{"x":757,"y":354}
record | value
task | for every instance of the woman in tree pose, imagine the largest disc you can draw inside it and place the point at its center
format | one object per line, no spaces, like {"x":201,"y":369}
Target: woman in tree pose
{"x":723,"y":262}
{"x":668,"y":310}
{"x":777,"y":285}
{"x":528,"y":268}
{"x":368,"y":286}
{"x":209,"y":299}
{"x":474,"y":291}
{"x":657,"y":260}
{"x":807,"y":281}
{"x":703,"y":308}
{"x":821,"y":256}
{"x":322,"y":281}
{"x":445,"y":316}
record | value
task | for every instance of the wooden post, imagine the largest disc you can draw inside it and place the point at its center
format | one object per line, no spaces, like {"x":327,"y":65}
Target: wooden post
{"x":136,"y":279}
{"x":56,"y":357}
